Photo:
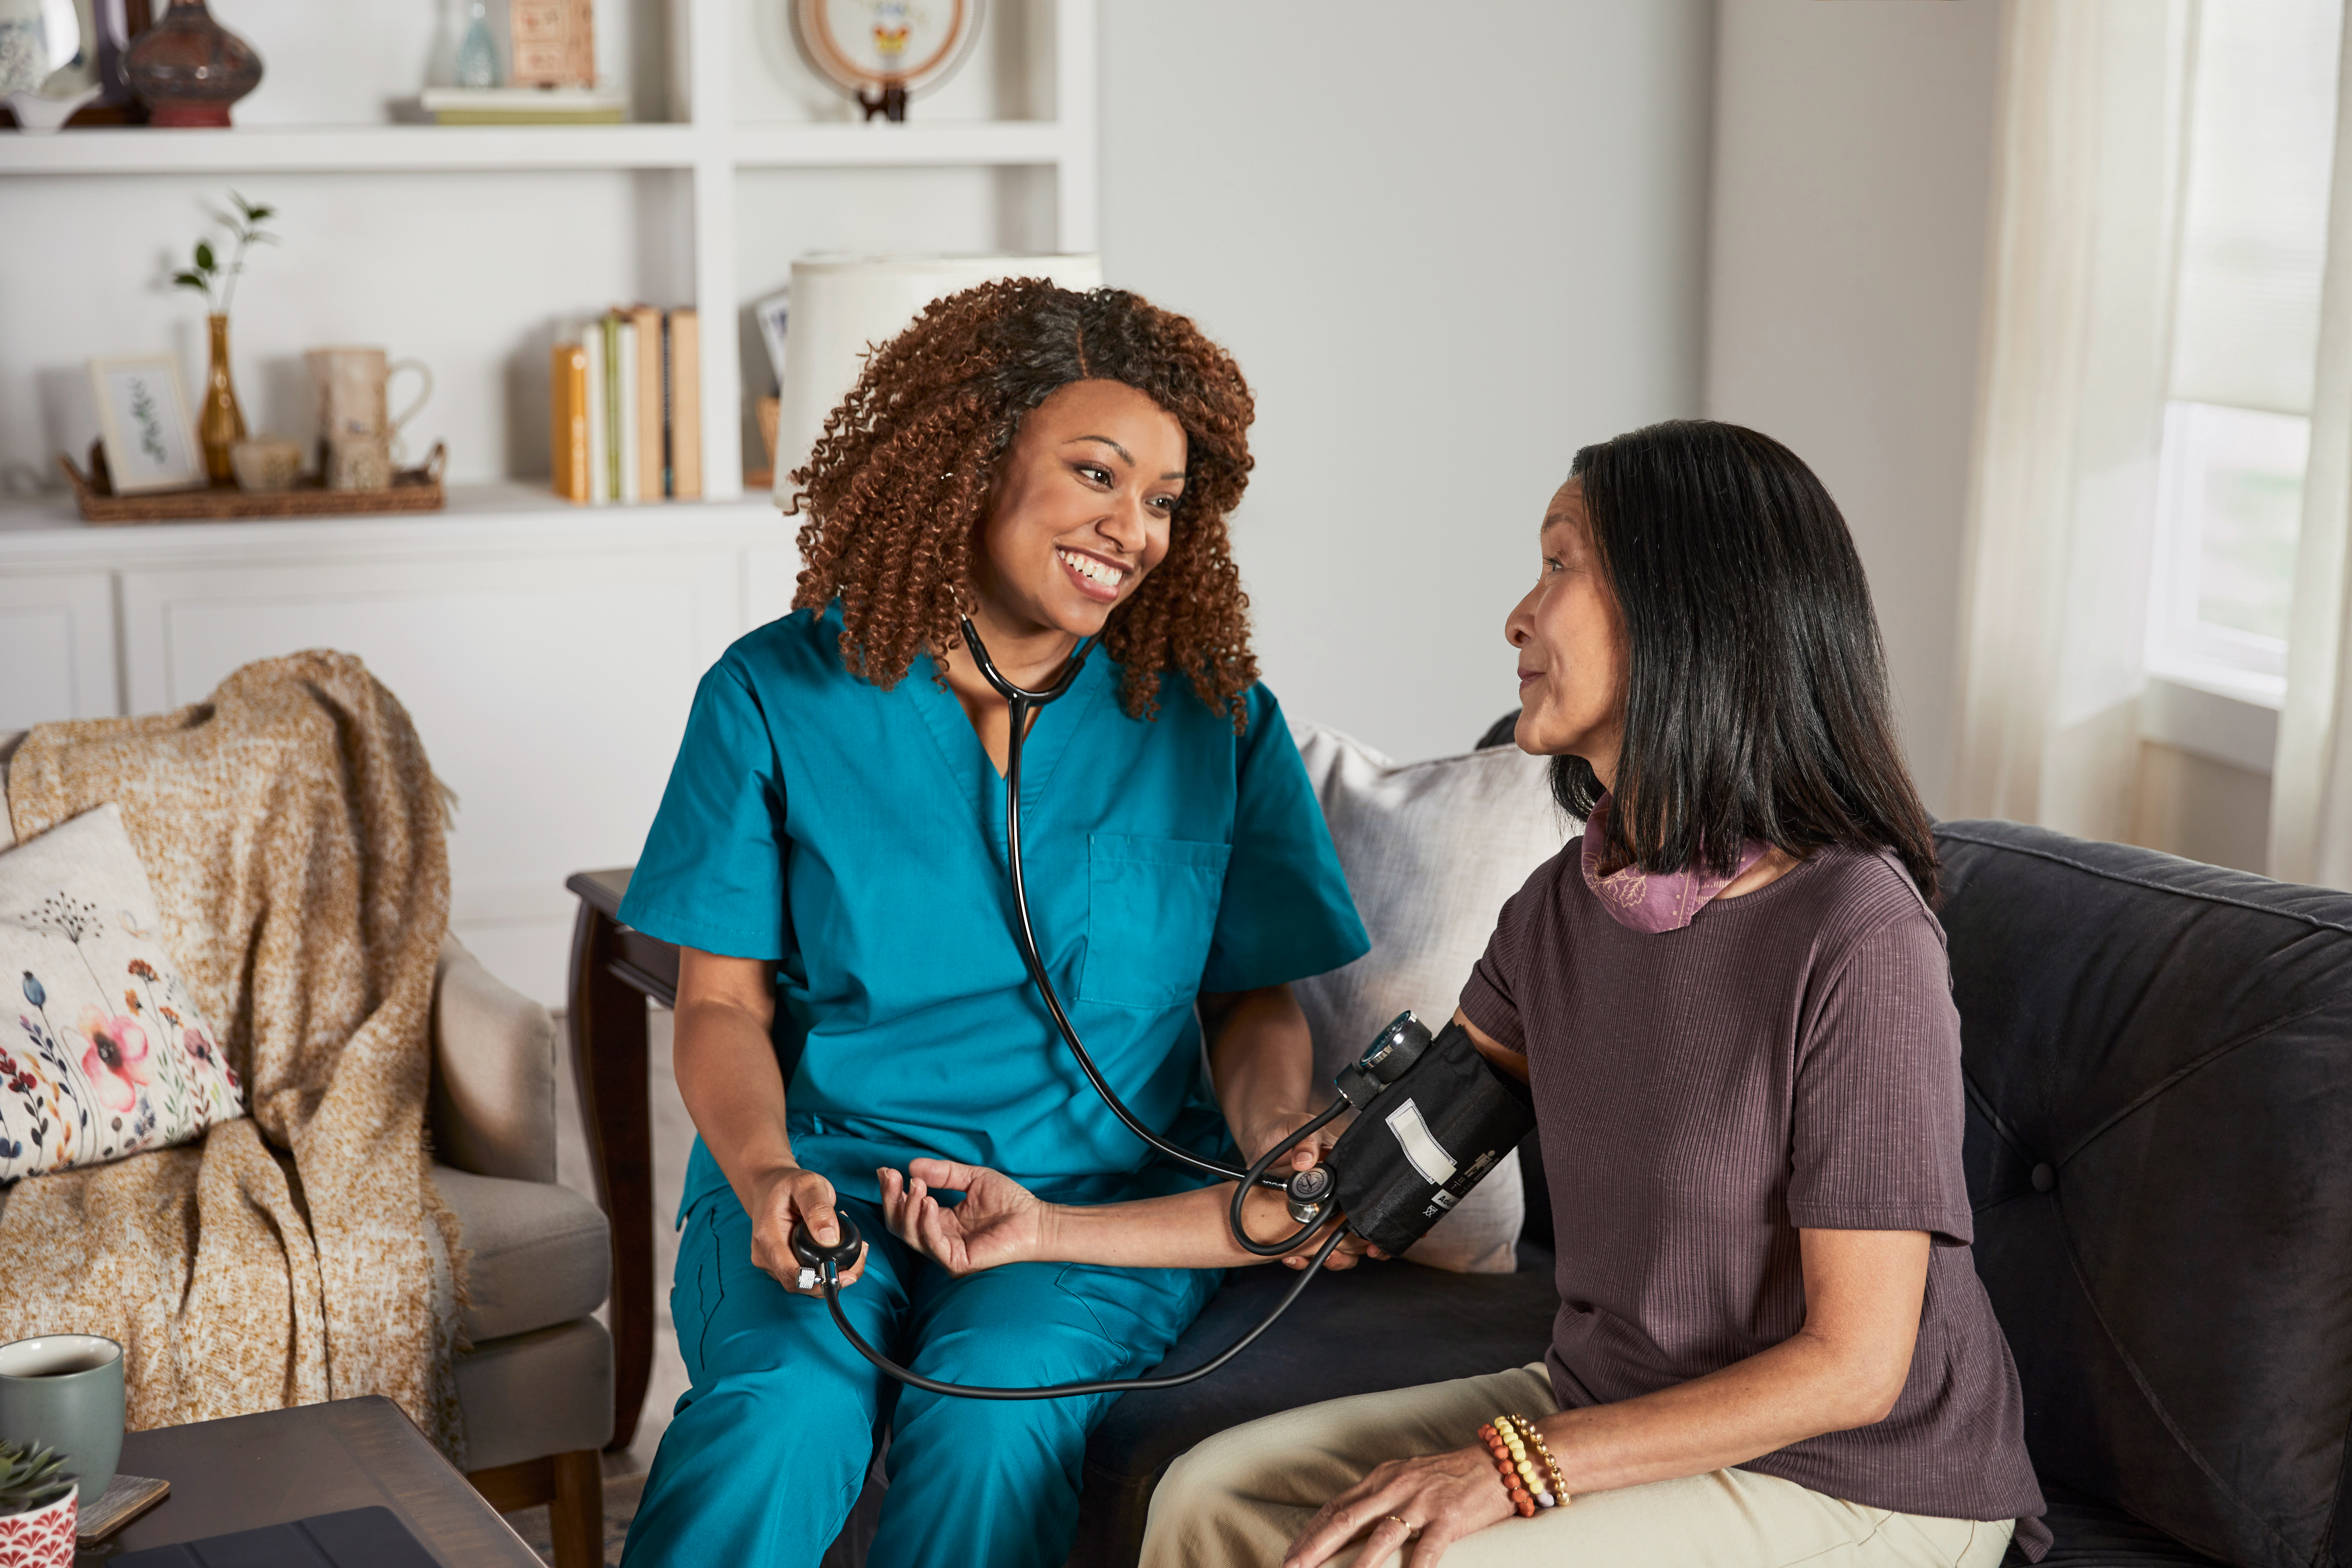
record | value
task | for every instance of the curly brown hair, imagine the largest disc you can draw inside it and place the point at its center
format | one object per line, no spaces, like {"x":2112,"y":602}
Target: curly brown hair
{"x":897,"y":487}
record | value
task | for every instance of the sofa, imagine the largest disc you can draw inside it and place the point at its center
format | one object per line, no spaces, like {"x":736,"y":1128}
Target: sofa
{"x":2157,"y":1063}
{"x":535,"y":1383}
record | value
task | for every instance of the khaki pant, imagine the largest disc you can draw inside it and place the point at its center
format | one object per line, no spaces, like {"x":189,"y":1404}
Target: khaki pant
{"x":1238,"y":1499}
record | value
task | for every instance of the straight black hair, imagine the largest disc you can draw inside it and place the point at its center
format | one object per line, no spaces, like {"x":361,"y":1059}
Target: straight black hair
{"x":1755,"y":703}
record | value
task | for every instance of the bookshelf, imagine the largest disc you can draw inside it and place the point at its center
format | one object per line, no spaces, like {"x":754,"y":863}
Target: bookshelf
{"x":547,"y":651}
{"x":706,"y":70}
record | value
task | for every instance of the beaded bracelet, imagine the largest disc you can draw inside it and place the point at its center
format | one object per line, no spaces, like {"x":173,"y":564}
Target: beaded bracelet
{"x":1506,"y":1440}
{"x":1543,"y":1452}
{"x":1544,"y":1484}
{"x":1523,"y":1501}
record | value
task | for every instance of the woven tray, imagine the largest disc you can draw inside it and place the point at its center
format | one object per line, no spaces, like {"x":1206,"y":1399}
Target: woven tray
{"x":412,"y":489}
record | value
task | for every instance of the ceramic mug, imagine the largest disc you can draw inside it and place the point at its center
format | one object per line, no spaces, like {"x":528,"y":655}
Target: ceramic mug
{"x":357,"y":463}
{"x":65,"y":1392}
{"x":266,"y":463}
{"x":353,"y":404}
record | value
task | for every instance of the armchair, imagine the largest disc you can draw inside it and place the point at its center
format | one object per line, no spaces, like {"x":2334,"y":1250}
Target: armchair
{"x":535,"y":1383}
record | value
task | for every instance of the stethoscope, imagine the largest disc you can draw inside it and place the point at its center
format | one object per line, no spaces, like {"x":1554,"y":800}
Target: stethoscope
{"x":1308,"y":1192}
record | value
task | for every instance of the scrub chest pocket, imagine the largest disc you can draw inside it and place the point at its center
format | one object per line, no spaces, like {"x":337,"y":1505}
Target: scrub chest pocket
{"x":1151,"y":912}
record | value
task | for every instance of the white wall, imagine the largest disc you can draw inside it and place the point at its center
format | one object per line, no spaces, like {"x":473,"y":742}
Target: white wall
{"x":1448,"y":247}
{"x":1853,"y":180}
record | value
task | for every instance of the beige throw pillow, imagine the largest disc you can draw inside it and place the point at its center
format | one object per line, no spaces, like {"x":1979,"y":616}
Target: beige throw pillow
{"x":109,"y":1055}
{"x":1431,"y":850}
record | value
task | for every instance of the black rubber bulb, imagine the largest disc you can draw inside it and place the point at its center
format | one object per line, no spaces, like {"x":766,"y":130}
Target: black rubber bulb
{"x":814,"y":1254}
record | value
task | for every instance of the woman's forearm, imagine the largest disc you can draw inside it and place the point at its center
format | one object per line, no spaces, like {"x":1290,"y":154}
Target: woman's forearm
{"x":1184,"y":1230}
{"x":1798,"y":1389}
{"x":1845,"y":1368}
{"x":733,"y":1090}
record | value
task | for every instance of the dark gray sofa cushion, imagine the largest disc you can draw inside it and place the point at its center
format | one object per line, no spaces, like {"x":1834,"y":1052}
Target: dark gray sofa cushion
{"x":2158,"y":1066}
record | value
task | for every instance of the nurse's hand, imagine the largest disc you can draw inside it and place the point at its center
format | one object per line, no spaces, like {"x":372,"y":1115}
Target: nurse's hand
{"x":781,"y":1201}
{"x":999,"y":1221}
{"x":1261,"y":1133}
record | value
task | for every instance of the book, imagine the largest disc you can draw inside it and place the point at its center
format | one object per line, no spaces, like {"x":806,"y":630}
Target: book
{"x":625,"y":443}
{"x":647,"y":324}
{"x":525,"y":105}
{"x":610,"y":480}
{"x":567,"y":418}
{"x":554,"y":43}
{"x":686,"y":404}
{"x":591,"y":344}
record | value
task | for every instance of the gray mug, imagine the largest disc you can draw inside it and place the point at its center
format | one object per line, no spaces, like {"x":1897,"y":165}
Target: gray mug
{"x":65,"y":1392}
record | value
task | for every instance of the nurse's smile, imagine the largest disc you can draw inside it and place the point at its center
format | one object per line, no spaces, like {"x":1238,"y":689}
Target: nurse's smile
{"x":1096,"y":576}
{"x":1079,"y":513}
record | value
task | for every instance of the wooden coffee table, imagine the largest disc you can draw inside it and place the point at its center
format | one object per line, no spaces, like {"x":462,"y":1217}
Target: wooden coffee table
{"x":283,"y":1465}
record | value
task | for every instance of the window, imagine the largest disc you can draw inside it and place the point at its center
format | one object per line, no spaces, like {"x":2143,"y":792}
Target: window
{"x":2228,"y":504}
{"x":2245,"y":333}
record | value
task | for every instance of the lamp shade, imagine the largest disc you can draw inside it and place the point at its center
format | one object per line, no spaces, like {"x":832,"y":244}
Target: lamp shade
{"x":843,"y":304}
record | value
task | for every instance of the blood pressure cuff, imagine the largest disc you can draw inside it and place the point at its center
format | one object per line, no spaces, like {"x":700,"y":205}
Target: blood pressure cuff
{"x":1429,"y":1138}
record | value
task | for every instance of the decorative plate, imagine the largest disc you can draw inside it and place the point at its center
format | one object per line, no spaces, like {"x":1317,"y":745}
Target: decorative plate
{"x":869,"y":45}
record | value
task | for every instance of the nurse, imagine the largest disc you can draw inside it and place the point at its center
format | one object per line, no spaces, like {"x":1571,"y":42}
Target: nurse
{"x":830,"y":859}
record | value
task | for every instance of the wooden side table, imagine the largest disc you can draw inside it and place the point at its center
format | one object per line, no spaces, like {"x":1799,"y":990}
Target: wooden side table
{"x":615,"y":971}
{"x":283,"y":1465}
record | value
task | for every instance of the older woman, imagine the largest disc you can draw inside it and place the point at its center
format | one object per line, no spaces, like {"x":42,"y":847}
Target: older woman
{"x":830,"y":855}
{"x":1733,"y":1007}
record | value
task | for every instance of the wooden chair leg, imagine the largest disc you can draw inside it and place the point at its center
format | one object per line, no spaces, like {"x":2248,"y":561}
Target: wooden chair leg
{"x":609,"y":1048}
{"x":576,"y":1517}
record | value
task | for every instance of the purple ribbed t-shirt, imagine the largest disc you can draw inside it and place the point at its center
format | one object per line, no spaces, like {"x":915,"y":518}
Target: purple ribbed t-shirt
{"x":1790,"y":1059}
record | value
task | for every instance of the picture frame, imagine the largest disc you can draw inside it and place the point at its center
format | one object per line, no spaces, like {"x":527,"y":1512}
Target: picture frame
{"x":774,"y":314}
{"x":146,"y":424}
{"x":882,"y":52}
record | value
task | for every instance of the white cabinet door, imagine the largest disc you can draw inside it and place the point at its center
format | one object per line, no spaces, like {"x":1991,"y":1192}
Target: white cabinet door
{"x":56,"y":647}
{"x":551,"y":691}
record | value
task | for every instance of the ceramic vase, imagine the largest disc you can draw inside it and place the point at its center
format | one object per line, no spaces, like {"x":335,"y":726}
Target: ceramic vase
{"x":188,"y":68}
{"x":220,"y":423}
{"x":43,"y":1538}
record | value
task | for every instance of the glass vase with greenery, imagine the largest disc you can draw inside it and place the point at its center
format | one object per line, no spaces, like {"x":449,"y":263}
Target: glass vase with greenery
{"x":220,"y":423}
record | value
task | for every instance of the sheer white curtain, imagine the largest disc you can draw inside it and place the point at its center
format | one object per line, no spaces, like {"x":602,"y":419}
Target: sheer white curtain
{"x":2072,"y":385}
{"x":2310,"y":780}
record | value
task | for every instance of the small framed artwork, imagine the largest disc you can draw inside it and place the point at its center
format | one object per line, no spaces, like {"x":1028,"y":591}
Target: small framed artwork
{"x":143,"y":414}
{"x":772,"y":313}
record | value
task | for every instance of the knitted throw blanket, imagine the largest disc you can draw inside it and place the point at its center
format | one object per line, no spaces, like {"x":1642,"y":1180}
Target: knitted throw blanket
{"x":293,"y":833}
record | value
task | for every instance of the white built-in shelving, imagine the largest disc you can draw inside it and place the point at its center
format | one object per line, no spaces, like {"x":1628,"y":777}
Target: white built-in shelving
{"x":705,"y":143}
{"x":548,"y":652}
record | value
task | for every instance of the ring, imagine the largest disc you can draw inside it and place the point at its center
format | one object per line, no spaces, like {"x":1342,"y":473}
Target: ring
{"x":1410,"y":1528}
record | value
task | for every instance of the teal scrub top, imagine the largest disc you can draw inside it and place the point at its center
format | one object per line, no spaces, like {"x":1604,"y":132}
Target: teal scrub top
{"x":855,"y":838}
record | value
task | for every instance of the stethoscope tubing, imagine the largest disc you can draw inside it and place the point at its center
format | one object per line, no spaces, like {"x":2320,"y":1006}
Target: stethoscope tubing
{"x":1071,"y":1390}
{"x":1022,"y":701}
{"x":1258,"y":1173}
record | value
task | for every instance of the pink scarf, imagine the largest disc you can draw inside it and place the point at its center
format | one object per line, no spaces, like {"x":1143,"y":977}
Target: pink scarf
{"x":1640,"y":902}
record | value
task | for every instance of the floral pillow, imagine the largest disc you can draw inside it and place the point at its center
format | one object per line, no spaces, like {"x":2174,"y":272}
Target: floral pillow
{"x":110,"y":1054}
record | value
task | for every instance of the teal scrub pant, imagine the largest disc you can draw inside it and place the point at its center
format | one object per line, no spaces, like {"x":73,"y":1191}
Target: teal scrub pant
{"x":770,"y":1446}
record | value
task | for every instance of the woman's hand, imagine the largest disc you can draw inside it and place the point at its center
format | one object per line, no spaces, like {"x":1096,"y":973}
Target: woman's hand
{"x":1419,"y":1506}
{"x":782,"y":1200}
{"x":999,"y":1221}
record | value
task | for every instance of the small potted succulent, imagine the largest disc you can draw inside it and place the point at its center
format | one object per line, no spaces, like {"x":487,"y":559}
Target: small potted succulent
{"x":36,"y":1508}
